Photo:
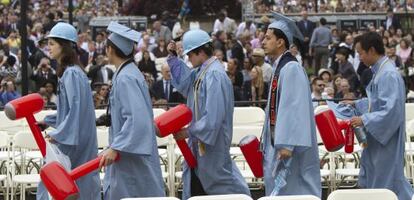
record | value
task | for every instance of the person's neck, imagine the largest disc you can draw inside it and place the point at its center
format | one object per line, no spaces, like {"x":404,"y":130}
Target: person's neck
{"x":377,"y":57}
{"x":118,"y":62}
{"x":277,"y":54}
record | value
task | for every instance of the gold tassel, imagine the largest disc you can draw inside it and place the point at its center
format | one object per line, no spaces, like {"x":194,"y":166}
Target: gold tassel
{"x":201,"y":148}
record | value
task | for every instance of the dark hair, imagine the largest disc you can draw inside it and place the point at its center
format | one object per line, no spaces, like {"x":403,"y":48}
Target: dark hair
{"x":70,"y":55}
{"x":59,"y":14}
{"x":280,"y":35}
{"x":316,"y":79}
{"x":343,"y":51}
{"x":323,"y":21}
{"x":118,"y":51}
{"x":206,"y":48}
{"x":371,"y":40}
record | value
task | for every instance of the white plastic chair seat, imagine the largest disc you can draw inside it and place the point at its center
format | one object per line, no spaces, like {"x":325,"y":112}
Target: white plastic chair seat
{"x":27,"y":178}
{"x":247,"y":174}
{"x":33,"y":155}
{"x":222,"y":197}
{"x":152,"y":198}
{"x":291,"y":197}
{"x":177,"y":151}
{"x":162,"y":152}
{"x":347,"y":172}
{"x":179,"y":175}
{"x":325,"y":172}
{"x":4,"y":155}
{"x":362,"y":194}
{"x":165,"y":175}
{"x":235,"y":151}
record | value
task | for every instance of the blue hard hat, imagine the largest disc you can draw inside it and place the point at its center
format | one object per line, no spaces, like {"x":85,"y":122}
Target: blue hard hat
{"x":64,"y":31}
{"x":194,"y":39}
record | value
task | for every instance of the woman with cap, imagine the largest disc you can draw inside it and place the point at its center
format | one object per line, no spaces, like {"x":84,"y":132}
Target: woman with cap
{"x":326,"y":76}
{"x":74,"y":122}
{"x":132,"y":131}
{"x":209,"y":93}
{"x":290,"y":150}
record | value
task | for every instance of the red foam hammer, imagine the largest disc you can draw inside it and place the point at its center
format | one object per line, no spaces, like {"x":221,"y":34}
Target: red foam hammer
{"x":250,"y":147}
{"x":25,"y":107}
{"x":61,"y":184}
{"x":172,"y":122}
{"x":330,"y":130}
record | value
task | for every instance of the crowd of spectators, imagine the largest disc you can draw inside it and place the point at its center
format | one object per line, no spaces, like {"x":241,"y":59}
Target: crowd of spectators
{"x":327,"y":53}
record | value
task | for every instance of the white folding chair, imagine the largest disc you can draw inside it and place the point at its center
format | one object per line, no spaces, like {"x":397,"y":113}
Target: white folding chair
{"x":4,"y":163}
{"x":248,"y":116}
{"x":152,"y":198}
{"x":222,"y":197}
{"x":291,"y":197}
{"x":362,"y":194}
{"x":11,"y":126}
{"x":24,"y":143}
{"x":409,"y":111}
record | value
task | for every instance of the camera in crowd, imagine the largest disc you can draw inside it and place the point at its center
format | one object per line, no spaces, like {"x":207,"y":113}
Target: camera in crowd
{"x":104,"y":120}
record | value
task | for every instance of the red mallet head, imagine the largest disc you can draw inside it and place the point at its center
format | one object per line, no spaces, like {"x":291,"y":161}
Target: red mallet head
{"x":59,"y":182}
{"x":24,"y":106}
{"x":173,"y":120}
{"x":330,"y":130}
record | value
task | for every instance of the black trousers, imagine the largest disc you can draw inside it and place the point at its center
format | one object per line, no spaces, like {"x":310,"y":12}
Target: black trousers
{"x":196,"y":187}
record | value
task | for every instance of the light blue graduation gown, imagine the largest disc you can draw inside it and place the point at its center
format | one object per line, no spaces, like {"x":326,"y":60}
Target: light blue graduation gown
{"x":216,"y":170}
{"x":75,"y":132}
{"x":382,"y":162}
{"x":294,"y":130}
{"x":132,"y":134}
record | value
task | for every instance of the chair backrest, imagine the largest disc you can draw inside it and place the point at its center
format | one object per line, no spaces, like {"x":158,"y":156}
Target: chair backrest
{"x":102,"y":137}
{"x":99,"y":112}
{"x":222,"y":197}
{"x":248,"y":116}
{"x":362,"y":194}
{"x":11,"y":126}
{"x":291,"y":197}
{"x":4,"y":140}
{"x":42,"y":114}
{"x":152,"y":198}
{"x":409,"y":111}
{"x":240,"y":131}
{"x":24,"y":139}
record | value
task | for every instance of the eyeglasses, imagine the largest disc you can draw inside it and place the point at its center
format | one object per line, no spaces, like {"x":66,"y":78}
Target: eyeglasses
{"x":321,"y":85}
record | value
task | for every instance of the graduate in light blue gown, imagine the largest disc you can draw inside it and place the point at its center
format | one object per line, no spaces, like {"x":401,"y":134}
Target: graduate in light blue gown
{"x":209,"y":94}
{"x":132,"y":131}
{"x":383,"y":115}
{"x":291,"y":160}
{"x":75,"y":133}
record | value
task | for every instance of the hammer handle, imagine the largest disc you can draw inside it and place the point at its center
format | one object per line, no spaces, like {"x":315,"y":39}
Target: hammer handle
{"x":188,"y":155}
{"x":88,"y":167}
{"x":37,"y":134}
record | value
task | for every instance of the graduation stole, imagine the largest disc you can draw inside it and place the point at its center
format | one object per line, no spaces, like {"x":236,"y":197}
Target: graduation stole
{"x":196,"y":89}
{"x":274,"y":101}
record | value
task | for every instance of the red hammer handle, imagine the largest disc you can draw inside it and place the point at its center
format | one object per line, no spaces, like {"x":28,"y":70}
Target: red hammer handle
{"x":88,"y":167}
{"x":37,"y":134}
{"x":187,"y":154}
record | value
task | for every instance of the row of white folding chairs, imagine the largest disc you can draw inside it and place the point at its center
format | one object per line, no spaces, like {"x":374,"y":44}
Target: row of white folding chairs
{"x":350,"y":194}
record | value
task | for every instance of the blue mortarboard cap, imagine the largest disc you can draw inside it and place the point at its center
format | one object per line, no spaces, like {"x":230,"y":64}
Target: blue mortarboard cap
{"x":287,"y":26}
{"x":123,"y":37}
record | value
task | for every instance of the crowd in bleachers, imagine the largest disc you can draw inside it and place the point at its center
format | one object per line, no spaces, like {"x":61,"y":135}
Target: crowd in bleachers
{"x":330,"y":6}
{"x":327,"y":53}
